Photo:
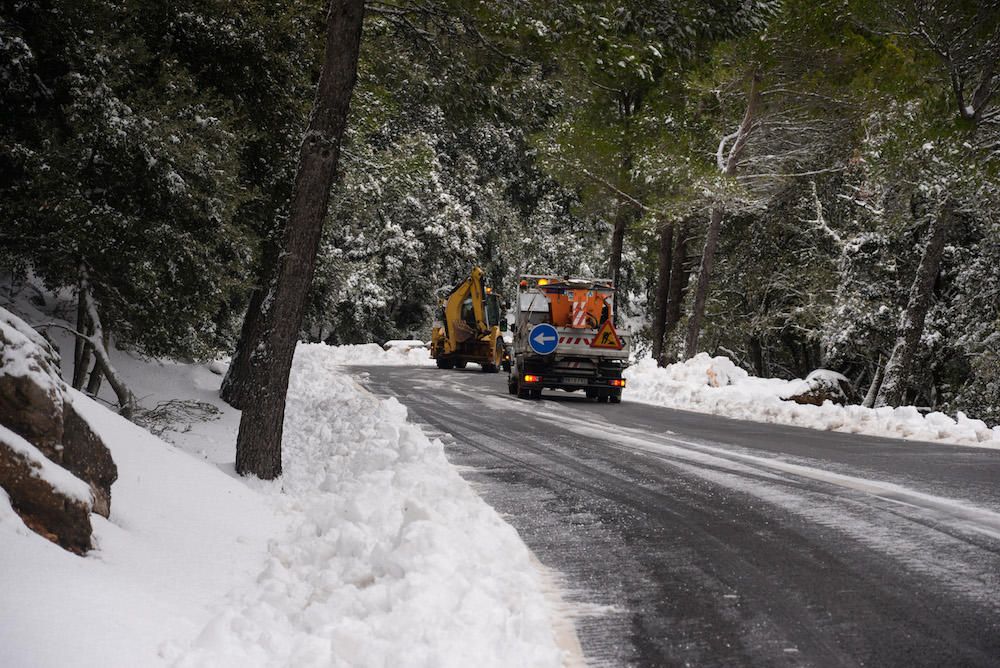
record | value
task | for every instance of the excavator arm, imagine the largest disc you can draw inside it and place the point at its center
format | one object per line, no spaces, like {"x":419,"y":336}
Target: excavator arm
{"x":471,"y":289}
{"x":469,"y":328}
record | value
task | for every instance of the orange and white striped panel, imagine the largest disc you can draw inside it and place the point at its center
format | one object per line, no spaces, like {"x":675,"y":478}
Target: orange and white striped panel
{"x":579,"y":314}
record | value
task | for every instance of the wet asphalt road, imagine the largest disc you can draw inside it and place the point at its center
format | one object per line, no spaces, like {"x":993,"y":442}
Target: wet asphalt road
{"x":688,"y":539}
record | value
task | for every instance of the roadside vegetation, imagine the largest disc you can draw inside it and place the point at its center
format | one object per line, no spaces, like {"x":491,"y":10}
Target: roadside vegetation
{"x":793,"y":185}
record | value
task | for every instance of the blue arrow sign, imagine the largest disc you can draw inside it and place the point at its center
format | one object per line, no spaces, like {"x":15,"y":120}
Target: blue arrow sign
{"x":543,"y":338}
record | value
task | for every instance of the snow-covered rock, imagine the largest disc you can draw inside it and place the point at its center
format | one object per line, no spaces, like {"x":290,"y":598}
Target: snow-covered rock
{"x":48,"y":450}
{"x":820,"y":386}
{"x":50,"y":500}
{"x":31,"y":387}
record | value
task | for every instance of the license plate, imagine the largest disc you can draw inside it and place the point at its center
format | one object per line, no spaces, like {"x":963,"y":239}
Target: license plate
{"x":575,"y":381}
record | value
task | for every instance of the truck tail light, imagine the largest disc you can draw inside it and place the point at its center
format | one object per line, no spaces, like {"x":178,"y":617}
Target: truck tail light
{"x":531,"y":378}
{"x":618,"y":382}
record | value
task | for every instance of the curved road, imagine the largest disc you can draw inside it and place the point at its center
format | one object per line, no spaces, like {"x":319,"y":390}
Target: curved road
{"x":689,"y":539}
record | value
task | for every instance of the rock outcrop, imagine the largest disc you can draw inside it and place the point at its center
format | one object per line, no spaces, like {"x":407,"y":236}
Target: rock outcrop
{"x":43,"y":432}
{"x":85,"y":455}
{"x":50,"y":501}
{"x":823,"y":385}
{"x":31,"y":389}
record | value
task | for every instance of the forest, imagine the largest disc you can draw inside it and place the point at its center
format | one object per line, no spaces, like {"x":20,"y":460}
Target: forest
{"x":789,"y":183}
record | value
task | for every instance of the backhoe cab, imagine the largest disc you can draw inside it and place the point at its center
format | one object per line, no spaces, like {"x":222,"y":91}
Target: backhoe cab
{"x":468,"y":327}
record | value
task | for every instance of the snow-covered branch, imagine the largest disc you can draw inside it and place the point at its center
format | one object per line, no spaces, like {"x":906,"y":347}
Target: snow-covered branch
{"x":772,"y":175}
{"x":126,"y":399}
{"x":720,"y":153}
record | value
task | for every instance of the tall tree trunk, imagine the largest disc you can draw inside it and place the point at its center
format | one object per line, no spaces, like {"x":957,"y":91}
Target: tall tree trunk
{"x":701,"y":289}
{"x":83,"y":363}
{"x":629,"y":103}
{"x":663,"y":265}
{"x":757,"y":356}
{"x":99,"y":343}
{"x":678,"y":278}
{"x":727,"y":166}
{"x":97,"y":375}
{"x":81,"y":349}
{"x":622,"y":215}
{"x":677,"y":288}
{"x":238,"y":382}
{"x":258,"y":446}
{"x":872,"y":394}
{"x":911,"y":324}
{"x":94,"y":384}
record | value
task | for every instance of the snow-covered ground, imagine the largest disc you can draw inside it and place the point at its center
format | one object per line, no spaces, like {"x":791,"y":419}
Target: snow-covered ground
{"x":370,"y":550}
{"x":715,"y":385}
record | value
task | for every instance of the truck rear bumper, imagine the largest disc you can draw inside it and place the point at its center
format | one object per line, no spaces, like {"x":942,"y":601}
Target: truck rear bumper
{"x":571,"y":373}
{"x":574,"y":384}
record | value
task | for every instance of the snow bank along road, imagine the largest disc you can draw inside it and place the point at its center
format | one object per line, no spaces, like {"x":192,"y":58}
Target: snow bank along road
{"x":686,"y":538}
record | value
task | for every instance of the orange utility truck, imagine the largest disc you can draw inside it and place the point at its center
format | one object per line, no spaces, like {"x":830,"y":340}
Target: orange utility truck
{"x":565,"y":338}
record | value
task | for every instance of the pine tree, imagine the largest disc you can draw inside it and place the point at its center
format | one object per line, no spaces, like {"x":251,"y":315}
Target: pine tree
{"x":258,"y":446}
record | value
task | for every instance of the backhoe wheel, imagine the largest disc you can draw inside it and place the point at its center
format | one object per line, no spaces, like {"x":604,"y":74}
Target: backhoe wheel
{"x":493,"y":366}
{"x":460,"y":365}
{"x":444,"y":363}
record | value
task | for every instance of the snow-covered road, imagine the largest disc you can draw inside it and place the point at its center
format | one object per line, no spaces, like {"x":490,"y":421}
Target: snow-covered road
{"x":666,"y":537}
{"x":689,"y":538}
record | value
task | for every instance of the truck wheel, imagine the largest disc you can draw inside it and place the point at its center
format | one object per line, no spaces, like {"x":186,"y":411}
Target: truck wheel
{"x":511,"y":385}
{"x":443,"y":363}
{"x":522,"y":391}
{"x":460,"y":365}
{"x":616,"y":397}
{"x":602,"y":398}
{"x":536,"y":394}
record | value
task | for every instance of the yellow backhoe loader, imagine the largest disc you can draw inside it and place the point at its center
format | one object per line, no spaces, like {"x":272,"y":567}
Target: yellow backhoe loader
{"x":469,"y":326}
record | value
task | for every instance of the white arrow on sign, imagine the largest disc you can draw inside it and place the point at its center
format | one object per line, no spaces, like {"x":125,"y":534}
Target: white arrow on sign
{"x":542,"y":339}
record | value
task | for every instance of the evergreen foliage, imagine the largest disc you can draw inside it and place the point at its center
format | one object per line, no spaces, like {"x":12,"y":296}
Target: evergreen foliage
{"x":155,"y":144}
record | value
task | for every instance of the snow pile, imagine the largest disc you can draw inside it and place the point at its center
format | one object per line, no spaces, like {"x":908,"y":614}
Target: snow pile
{"x":368,"y":354}
{"x":371,"y":551}
{"x":393,"y":560}
{"x":716,"y":385}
